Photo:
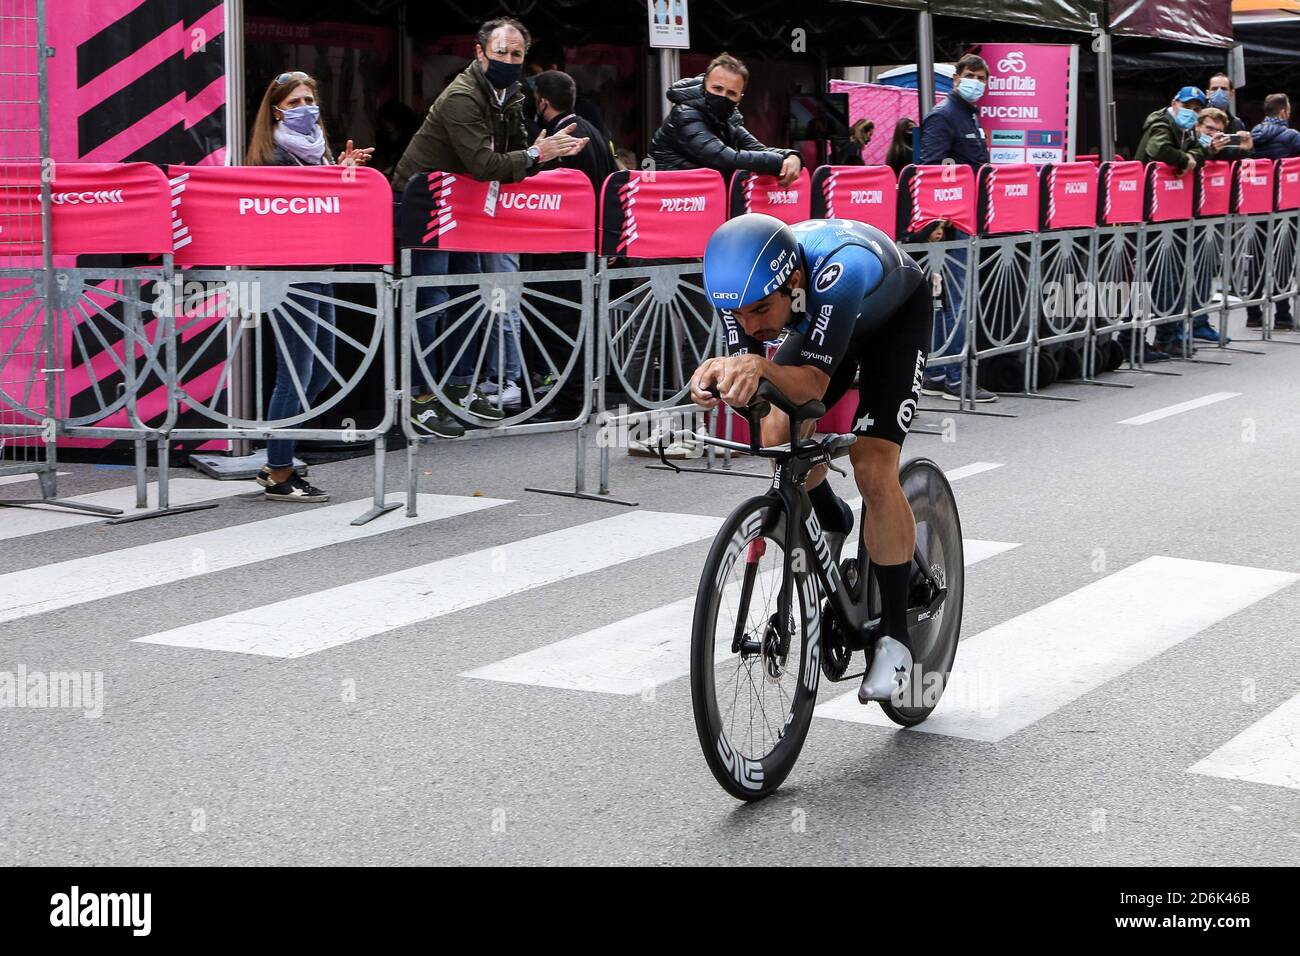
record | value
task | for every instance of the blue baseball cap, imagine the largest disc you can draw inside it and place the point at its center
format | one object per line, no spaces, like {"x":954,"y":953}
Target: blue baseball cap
{"x":1190,"y":94}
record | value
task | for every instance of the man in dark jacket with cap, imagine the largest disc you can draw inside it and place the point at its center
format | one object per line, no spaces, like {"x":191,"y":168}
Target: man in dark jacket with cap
{"x":704,"y":128}
{"x":1169,"y":136}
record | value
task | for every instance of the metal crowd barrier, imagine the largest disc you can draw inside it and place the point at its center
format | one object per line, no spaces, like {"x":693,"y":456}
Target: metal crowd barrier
{"x":104,"y":327}
{"x":466,"y":326}
{"x":231,"y":324}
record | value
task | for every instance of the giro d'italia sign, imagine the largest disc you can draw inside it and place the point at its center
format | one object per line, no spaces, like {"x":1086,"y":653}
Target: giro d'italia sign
{"x":1028,"y":110}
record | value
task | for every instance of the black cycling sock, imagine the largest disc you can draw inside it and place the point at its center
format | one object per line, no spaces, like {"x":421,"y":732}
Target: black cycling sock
{"x":830,"y":509}
{"x":894,"y":580}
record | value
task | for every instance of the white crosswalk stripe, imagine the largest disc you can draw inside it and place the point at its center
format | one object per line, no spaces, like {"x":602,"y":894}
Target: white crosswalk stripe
{"x":340,"y":615}
{"x":1267,"y":751}
{"x":20,"y":522}
{"x":68,"y":583}
{"x":1017,"y":673}
{"x":636,"y":653}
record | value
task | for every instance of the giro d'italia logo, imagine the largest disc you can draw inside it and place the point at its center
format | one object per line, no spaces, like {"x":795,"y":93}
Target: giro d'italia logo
{"x":828,"y":277}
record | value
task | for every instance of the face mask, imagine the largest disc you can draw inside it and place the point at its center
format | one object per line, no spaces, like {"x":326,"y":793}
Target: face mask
{"x":970,"y":89}
{"x":1204,"y":140}
{"x":301,"y":119}
{"x":531,"y":81}
{"x":501,"y":74}
{"x":719,"y":106}
{"x":1184,"y":119}
{"x":1219,"y":99}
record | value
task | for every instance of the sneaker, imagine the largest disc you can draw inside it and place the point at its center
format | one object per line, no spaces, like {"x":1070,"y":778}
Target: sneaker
{"x":890,"y":670}
{"x":1150,"y":354}
{"x":474,"y":402}
{"x":1286,"y":325}
{"x":934,"y":386}
{"x":1206,"y":333}
{"x":1175,"y":348}
{"x":430,"y":418}
{"x":296,"y":489}
{"x":952,"y":392}
{"x":511,"y":396}
{"x":266,"y":481}
{"x":543,"y":383}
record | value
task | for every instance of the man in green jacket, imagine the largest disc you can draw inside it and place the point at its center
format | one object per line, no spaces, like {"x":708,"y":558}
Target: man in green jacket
{"x":475,"y":128}
{"x":1169,"y":136}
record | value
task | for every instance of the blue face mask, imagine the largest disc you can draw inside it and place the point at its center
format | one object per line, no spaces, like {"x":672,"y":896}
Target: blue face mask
{"x":1219,"y":99}
{"x":301,"y":119}
{"x":1204,"y":140}
{"x":1185,"y":118}
{"x":970,"y":89}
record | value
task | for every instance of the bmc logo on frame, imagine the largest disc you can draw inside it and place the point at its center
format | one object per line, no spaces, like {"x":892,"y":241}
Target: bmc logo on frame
{"x":87,"y":199}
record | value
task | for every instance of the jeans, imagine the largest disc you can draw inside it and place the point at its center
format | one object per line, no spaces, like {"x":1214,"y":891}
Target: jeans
{"x":296,"y":359}
{"x":433,"y":324}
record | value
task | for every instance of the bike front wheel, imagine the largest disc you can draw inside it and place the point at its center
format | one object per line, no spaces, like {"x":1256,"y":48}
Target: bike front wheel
{"x":753,"y":704}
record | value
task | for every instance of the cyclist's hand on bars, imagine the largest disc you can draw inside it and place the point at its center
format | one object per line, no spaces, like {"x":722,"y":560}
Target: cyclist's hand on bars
{"x":706,"y":377}
{"x":739,"y":379}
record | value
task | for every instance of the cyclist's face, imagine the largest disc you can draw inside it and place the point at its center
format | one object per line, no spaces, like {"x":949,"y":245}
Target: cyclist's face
{"x":767,"y":318}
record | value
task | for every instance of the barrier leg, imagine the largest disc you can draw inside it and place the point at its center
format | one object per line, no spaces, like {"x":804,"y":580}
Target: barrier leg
{"x":141,"y":473}
{"x":164,"y":495}
{"x":381,"y":505}
{"x":412,"y":477}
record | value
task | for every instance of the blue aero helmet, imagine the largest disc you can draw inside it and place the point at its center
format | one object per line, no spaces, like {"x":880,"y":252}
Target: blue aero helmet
{"x":747,"y":259}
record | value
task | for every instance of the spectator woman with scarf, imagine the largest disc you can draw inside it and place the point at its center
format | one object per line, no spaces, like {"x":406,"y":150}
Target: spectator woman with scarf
{"x":288,"y":132}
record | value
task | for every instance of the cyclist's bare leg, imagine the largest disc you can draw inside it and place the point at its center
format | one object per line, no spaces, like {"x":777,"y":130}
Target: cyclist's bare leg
{"x":888,"y":525}
{"x":889,"y":530}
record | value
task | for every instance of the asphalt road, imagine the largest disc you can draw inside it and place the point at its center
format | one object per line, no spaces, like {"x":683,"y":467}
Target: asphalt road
{"x":304,"y":697}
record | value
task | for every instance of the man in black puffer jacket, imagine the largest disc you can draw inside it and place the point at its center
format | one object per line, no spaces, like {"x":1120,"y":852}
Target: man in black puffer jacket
{"x":704,"y":128}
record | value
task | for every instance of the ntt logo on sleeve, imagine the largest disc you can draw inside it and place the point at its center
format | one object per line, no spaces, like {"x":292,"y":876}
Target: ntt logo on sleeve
{"x":286,"y":206}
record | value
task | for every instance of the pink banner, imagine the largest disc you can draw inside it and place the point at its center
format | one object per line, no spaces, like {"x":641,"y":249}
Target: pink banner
{"x":1070,"y":191}
{"x":1214,"y":188}
{"x":281,"y":216}
{"x":1025,"y":111}
{"x":1253,"y":192}
{"x":863,"y":193}
{"x":551,"y":212}
{"x":94,"y":208}
{"x":665,"y":215}
{"x":1288,"y":183}
{"x":1169,"y":193}
{"x":762,"y":193}
{"x":939,"y":192}
{"x":1121,"y":192}
{"x":1009,"y":198}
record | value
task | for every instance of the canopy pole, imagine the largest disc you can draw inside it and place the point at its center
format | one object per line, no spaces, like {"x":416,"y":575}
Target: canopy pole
{"x":924,"y":62}
{"x":1105,"y":95}
{"x":670,"y":71}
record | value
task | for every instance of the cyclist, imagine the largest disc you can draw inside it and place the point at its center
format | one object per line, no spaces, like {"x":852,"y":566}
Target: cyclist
{"x":839,"y":297}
